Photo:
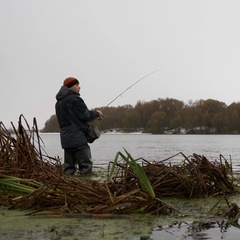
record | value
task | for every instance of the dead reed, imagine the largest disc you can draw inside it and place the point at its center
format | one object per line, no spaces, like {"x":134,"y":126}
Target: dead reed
{"x":195,"y":176}
{"x":132,"y":185}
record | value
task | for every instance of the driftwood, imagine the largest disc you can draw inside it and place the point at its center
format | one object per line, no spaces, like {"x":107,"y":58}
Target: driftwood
{"x":21,"y":156}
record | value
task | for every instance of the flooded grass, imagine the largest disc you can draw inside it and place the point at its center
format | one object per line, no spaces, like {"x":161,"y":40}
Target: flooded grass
{"x":132,"y":199}
{"x":194,"y":222}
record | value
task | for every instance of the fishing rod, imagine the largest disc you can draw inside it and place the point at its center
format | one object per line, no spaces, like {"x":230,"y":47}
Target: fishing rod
{"x":100,"y":118}
{"x":131,"y":86}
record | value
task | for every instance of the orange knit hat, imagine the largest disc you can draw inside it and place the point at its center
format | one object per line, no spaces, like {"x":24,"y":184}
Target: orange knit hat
{"x":70,"y":81}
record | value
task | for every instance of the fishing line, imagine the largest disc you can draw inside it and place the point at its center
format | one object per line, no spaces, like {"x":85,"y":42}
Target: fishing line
{"x":130,"y":87}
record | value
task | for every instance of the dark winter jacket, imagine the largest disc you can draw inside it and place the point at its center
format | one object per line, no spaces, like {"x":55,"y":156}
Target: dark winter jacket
{"x":72,"y":114}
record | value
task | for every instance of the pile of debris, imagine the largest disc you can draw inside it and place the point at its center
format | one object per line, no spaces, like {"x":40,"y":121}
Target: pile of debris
{"x":195,"y":176}
{"x":124,"y":192}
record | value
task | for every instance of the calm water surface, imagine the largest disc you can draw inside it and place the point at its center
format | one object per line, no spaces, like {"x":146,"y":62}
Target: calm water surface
{"x":160,"y":147}
{"x":153,"y":147}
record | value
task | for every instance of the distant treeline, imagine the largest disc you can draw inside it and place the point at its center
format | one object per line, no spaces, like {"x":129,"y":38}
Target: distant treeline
{"x":167,"y":116}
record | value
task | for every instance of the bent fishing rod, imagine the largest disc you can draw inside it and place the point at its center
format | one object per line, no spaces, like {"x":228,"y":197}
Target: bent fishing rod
{"x":129,"y":88}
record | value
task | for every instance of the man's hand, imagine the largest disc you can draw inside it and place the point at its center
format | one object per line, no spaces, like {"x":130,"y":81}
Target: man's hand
{"x":100,"y":114}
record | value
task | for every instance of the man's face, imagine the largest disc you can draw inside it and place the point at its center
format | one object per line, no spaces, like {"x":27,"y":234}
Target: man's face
{"x":76,"y":88}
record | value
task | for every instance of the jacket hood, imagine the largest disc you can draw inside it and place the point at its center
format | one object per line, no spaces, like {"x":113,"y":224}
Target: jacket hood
{"x":63,"y":92}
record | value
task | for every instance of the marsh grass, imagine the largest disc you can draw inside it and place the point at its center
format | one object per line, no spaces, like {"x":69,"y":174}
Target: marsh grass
{"x":131,"y":185}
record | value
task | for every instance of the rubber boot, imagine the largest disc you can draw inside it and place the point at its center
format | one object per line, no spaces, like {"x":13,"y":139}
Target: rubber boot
{"x":69,"y":162}
{"x":84,"y":160}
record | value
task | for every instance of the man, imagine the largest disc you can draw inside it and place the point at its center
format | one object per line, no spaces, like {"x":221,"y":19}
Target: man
{"x":73,"y":114}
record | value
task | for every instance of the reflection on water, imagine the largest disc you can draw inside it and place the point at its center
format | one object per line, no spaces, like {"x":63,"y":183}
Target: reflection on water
{"x":197,"y":230}
{"x":154,"y":147}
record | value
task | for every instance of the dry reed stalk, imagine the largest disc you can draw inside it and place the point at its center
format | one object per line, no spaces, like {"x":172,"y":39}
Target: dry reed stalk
{"x":195,"y":176}
{"x":21,"y":156}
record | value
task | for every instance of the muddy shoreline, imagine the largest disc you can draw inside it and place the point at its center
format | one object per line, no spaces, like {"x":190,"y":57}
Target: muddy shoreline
{"x":204,"y":213}
{"x":194,"y":221}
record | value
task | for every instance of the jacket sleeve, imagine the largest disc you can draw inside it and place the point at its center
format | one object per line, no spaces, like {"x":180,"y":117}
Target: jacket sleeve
{"x":82,"y":112}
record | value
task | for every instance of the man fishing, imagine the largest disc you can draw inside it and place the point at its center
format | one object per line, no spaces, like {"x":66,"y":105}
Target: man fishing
{"x":73,"y":117}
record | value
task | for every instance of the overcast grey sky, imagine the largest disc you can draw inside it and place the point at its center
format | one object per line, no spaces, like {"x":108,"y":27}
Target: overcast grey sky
{"x":110,"y":44}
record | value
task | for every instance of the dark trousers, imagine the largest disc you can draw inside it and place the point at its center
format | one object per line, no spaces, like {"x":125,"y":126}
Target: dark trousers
{"x":77,"y":159}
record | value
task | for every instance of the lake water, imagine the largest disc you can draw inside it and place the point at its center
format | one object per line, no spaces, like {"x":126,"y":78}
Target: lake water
{"x":153,"y":147}
{"x":156,"y":148}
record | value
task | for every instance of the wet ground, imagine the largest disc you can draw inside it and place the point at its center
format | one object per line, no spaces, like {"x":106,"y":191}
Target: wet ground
{"x":197,"y":219}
